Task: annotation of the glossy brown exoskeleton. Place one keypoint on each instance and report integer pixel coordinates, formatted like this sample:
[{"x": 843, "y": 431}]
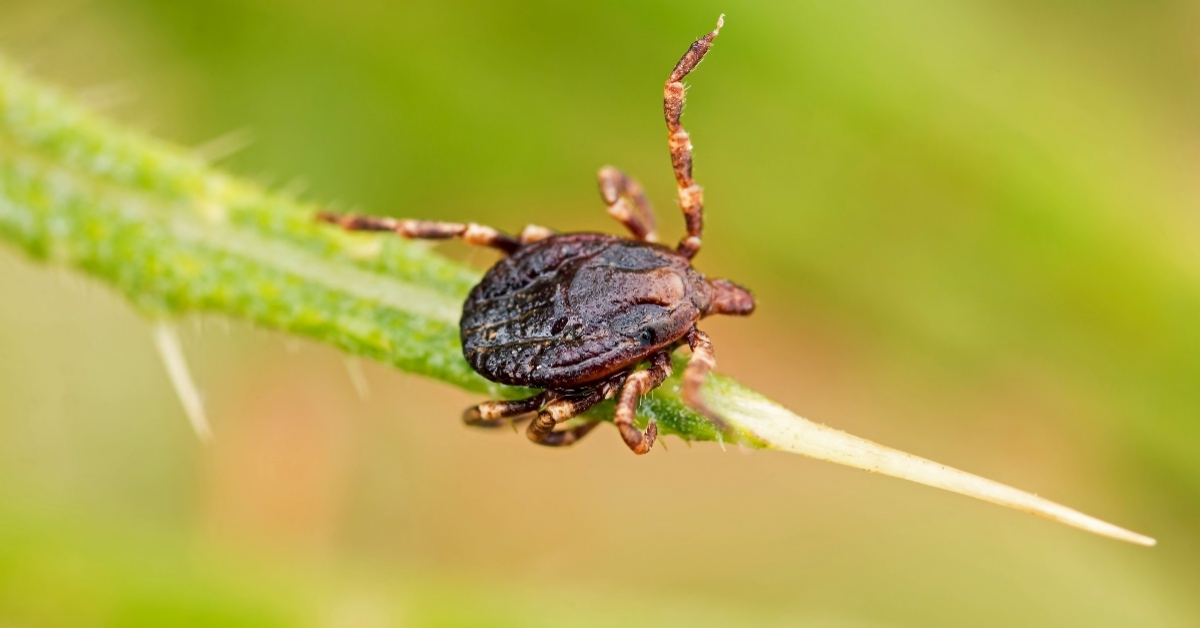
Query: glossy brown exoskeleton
[{"x": 576, "y": 314}]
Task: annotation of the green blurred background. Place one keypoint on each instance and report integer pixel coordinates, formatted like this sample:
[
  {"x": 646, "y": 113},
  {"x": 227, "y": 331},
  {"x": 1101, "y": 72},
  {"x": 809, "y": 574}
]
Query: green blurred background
[{"x": 972, "y": 229}]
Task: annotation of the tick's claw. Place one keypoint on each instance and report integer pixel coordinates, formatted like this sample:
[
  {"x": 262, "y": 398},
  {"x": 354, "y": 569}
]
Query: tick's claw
[
  {"x": 471, "y": 416},
  {"x": 646, "y": 441}
]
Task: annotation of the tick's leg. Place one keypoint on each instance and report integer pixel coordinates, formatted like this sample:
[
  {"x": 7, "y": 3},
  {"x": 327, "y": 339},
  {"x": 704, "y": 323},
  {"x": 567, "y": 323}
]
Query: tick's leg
[
  {"x": 703, "y": 360},
  {"x": 533, "y": 233},
  {"x": 627, "y": 203},
  {"x": 638, "y": 384},
  {"x": 541, "y": 430},
  {"x": 562, "y": 438},
  {"x": 691, "y": 196},
  {"x": 470, "y": 233},
  {"x": 493, "y": 413}
]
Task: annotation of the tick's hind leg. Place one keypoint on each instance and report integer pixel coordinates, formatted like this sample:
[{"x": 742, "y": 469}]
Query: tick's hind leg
[
  {"x": 691, "y": 196},
  {"x": 470, "y": 233},
  {"x": 638, "y": 384},
  {"x": 562, "y": 438},
  {"x": 627, "y": 203},
  {"x": 494, "y": 413},
  {"x": 541, "y": 430}
]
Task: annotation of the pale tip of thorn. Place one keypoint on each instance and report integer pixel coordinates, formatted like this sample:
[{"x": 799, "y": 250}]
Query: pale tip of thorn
[
  {"x": 224, "y": 145},
  {"x": 358, "y": 378},
  {"x": 1144, "y": 541},
  {"x": 171, "y": 351},
  {"x": 781, "y": 429},
  {"x": 720, "y": 23}
]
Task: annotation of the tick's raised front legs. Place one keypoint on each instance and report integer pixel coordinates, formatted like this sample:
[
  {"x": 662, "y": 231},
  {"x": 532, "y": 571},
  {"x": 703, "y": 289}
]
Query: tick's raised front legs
[
  {"x": 703, "y": 360},
  {"x": 691, "y": 196},
  {"x": 470, "y": 233},
  {"x": 627, "y": 203},
  {"x": 638, "y": 384}
]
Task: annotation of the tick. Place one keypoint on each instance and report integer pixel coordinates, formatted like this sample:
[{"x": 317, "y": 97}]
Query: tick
[{"x": 580, "y": 314}]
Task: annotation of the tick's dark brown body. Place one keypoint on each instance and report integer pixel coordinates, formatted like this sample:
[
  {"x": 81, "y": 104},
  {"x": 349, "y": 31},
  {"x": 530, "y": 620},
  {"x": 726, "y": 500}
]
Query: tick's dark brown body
[
  {"x": 573, "y": 309},
  {"x": 577, "y": 314}
]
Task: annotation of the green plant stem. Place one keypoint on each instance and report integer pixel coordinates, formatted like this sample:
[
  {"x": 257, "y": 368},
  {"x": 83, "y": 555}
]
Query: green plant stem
[{"x": 175, "y": 236}]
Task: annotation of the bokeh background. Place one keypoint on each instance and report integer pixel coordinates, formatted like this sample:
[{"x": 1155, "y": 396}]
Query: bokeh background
[{"x": 972, "y": 229}]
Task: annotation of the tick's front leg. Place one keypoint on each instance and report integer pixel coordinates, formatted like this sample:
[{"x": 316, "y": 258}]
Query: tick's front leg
[
  {"x": 691, "y": 196},
  {"x": 627, "y": 203}
]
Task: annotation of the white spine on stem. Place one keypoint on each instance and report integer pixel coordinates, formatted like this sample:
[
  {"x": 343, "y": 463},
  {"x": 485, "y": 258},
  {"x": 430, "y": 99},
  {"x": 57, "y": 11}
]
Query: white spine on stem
[
  {"x": 786, "y": 431},
  {"x": 166, "y": 338}
]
